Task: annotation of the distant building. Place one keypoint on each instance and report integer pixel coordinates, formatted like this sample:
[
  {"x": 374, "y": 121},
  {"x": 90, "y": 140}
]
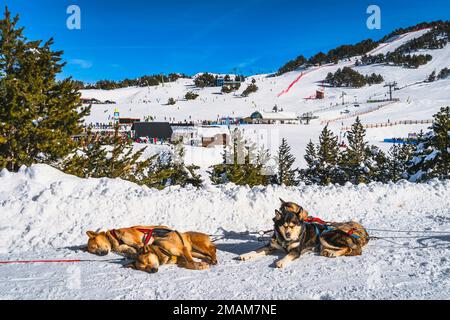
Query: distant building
[
  {"x": 320, "y": 94},
  {"x": 212, "y": 136},
  {"x": 220, "y": 82},
  {"x": 188, "y": 133},
  {"x": 128, "y": 120},
  {"x": 155, "y": 132},
  {"x": 274, "y": 117},
  {"x": 127, "y": 123}
]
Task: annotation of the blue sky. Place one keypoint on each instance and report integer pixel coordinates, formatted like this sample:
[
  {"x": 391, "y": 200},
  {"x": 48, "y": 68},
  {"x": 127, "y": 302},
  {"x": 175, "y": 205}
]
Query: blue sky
[{"x": 120, "y": 39}]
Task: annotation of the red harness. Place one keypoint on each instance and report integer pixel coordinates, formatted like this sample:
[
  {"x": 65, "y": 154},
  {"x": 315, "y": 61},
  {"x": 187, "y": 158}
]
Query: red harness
[
  {"x": 315, "y": 220},
  {"x": 148, "y": 233}
]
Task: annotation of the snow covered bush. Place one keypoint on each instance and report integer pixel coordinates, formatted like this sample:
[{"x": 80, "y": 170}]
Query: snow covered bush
[
  {"x": 242, "y": 164},
  {"x": 432, "y": 155},
  {"x": 250, "y": 89}
]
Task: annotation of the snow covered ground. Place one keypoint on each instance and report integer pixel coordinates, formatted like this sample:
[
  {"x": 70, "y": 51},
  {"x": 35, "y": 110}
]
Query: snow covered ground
[{"x": 44, "y": 214}]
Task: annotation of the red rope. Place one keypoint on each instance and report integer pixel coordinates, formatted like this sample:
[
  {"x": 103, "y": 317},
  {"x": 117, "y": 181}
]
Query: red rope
[
  {"x": 56, "y": 261},
  {"x": 41, "y": 261}
]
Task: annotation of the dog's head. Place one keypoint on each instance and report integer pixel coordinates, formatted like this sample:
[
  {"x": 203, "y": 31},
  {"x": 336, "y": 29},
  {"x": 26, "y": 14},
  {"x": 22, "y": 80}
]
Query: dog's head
[
  {"x": 292, "y": 207},
  {"x": 98, "y": 243},
  {"x": 146, "y": 260},
  {"x": 288, "y": 225}
]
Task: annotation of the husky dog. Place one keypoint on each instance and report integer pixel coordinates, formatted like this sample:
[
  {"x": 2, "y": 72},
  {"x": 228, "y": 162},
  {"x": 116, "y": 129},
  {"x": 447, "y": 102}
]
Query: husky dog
[{"x": 294, "y": 235}]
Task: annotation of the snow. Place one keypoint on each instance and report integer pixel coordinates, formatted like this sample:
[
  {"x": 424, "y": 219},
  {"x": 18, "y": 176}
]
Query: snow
[
  {"x": 432, "y": 155},
  {"x": 45, "y": 214},
  {"x": 397, "y": 41}
]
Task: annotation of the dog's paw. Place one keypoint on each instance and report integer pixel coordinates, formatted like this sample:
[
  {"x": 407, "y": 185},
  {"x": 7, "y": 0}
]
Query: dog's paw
[
  {"x": 328, "y": 253},
  {"x": 247, "y": 256},
  {"x": 202, "y": 265},
  {"x": 280, "y": 264}
]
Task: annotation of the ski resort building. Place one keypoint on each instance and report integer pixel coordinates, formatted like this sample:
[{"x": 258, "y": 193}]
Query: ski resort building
[
  {"x": 188, "y": 133},
  {"x": 200, "y": 136},
  {"x": 220, "y": 82},
  {"x": 153, "y": 132},
  {"x": 274, "y": 117}
]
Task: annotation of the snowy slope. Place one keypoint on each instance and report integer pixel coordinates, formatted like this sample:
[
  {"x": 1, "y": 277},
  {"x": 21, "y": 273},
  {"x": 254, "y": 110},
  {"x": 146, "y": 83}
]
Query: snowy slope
[
  {"x": 44, "y": 215},
  {"x": 418, "y": 101},
  {"x": 397, "y": 41}
]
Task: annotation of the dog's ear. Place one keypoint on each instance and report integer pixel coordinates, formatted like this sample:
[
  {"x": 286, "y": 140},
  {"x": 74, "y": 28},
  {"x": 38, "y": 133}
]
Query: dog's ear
[
  {"x": 130, "y": 266},
  {"x": 282, "y": 201},
  {"x": 303, "y": 214},
  {"x": 278, "y": 215},
  {"x": 91, "y": 234}
]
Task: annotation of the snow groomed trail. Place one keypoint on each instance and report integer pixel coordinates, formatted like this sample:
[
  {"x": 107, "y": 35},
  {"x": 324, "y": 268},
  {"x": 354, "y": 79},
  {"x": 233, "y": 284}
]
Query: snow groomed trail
[
  {"x": 304, "y": 73},
  {"x": 44, "y": 214}
]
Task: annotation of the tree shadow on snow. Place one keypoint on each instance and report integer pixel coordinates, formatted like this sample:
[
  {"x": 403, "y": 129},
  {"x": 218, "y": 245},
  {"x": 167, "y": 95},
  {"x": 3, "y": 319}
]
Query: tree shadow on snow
[
  {"x": 252, "y": 242},
  {"x": 81, "y": 248},
  {"x": 239, "y": 248},
  {"x": 441, "y": 242}
]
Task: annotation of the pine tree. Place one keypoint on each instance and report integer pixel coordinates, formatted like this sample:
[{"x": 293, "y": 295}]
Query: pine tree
[
  {"x": 432, "y": 77},
  {"x": 92, "y": 159},
  {"x": 89, "y": 160},
  {"x": 39, "y": 114},
  {"x": 432, "y": 156},
  {"x": 398, "y": 157},
  {"x": 354, "y": 158},
  {"x": 251, "y": 88},
  {"x": 243, "y": 164},
  {"x": 183, "y": 175},
  {"x": 309, "y": 175},
  {"x": 327, "y": 156},
  {"x": 376, "y": 162},
  {"x": 286, "y": 174},
  {"x": 122, "y": 160}
]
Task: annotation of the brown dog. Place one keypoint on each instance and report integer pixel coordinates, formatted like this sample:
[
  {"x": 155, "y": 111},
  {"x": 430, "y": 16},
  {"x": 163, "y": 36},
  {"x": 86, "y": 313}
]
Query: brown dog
[
  {"x": 177, "y": 248},
  {"x": 126, "y": 241}
]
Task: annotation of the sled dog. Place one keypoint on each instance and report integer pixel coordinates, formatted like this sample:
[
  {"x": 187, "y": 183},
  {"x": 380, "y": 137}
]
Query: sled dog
[
  {"x": 295, "y": 235},
  {"x": 129, "y": 241},
  {"x": 177, "y": 248}
]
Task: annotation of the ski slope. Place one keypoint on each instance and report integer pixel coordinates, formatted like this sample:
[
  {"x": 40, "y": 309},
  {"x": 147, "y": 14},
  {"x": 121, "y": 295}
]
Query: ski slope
[
  {"x": 397, "y": 41},
  {"x": 45, "y": 214},
  {"x": 418, "y": 101}
]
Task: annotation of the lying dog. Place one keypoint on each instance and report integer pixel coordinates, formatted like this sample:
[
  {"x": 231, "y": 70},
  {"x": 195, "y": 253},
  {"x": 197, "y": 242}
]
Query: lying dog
[
  {"x": 294, "y": 234},
  {"x": 177, "y": 248},
  {"x": 126, "y": 241}
]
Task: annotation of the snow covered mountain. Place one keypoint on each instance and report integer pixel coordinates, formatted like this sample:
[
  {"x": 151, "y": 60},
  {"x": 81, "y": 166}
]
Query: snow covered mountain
[{"x": 418, "y": 100}]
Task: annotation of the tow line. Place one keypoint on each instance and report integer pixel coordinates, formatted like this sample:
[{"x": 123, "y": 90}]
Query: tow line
[{"x": 56, "y": 261}]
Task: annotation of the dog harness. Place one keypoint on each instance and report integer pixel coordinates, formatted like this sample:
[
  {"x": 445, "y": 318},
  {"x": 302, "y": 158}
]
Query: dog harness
[
  {"x": 148, "y": 234},
  {"x": 328, "y": 227}
]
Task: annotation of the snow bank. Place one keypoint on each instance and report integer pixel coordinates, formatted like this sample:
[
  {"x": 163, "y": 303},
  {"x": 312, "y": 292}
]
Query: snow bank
[
  {"x": 42, "y": 208},
  {"x": 44, "y": 215}
]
